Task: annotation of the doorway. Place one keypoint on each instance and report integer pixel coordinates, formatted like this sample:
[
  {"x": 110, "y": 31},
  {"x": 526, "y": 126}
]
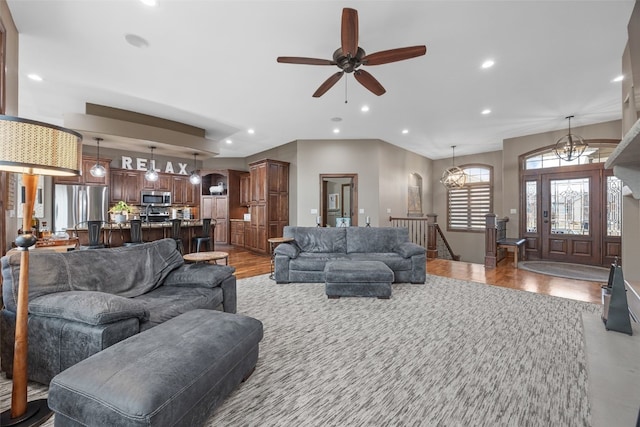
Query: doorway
[
  {"x": 571, "y": 213},
  {"x": 570, "y": 206},
  {"x": 338, "y": 200}
]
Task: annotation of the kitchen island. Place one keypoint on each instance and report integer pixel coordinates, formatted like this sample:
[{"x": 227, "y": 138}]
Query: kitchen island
[{"x": 116, "y": 234}]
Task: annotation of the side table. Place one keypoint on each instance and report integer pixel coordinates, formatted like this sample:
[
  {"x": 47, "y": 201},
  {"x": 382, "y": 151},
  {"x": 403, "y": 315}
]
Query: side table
[
  {"x": 273, "y": 242},
  {"x": 206, "y": 257}
]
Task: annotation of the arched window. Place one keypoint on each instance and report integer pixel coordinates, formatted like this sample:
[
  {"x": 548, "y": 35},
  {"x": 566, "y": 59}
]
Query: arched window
[
  {"x": 468, "y": 205},
  {"x": 595, "y": 153}
]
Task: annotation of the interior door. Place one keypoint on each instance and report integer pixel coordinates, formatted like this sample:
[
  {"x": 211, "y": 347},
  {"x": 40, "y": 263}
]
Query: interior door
[
  {"x": 571, "y": 217},
  {"x": 338, "y": 199}
]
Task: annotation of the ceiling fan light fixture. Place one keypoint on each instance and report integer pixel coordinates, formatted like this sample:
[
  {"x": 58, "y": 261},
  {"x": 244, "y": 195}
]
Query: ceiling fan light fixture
[
  {"x": 98, "y": 170},
  {"x": 453, "y": 177},
  {"x": 195, "y": 178},
  {"x": 349, "y": 57},
  {"x": 569, "y": 147},
  {"x": 151, "y": 174}
]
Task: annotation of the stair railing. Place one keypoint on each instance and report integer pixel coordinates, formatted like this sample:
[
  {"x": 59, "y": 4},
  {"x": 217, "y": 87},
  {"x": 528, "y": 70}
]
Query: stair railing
[{"x": 427, "y": 233}]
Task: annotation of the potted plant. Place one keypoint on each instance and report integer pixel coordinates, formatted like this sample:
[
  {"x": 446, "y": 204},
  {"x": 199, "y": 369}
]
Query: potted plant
[{"x": 120, "y": 211}]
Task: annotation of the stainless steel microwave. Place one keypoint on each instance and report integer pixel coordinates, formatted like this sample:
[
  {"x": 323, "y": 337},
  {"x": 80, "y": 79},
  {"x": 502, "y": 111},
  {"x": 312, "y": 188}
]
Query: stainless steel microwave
[{"x": 155, "y": 198}]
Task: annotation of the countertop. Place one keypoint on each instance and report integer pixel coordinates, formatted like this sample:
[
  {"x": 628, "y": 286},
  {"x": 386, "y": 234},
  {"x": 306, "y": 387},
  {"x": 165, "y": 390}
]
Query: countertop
[{"x": 165, "y": 224}]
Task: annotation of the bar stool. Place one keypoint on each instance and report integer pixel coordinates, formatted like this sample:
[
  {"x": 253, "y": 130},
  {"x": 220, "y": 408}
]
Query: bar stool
[
  {"x": 136, "y": 233},
  {"x": 94, "y": 229},
  {"x": 176, "y": 225},
  {"x": 205, "y": 236}
]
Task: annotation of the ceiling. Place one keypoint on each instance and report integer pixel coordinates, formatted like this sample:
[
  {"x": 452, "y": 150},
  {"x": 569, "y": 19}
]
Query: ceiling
[{"x": 212, "y": 64}]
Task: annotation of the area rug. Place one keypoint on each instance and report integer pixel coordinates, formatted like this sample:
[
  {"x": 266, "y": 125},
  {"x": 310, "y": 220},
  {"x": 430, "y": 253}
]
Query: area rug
[
  {"x": 589, "y": 273},
  {"x": 447, "y": 353}
]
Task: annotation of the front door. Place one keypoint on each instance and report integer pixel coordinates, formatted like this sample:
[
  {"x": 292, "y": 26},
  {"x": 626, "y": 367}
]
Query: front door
[{"x": 571, "y": 213}]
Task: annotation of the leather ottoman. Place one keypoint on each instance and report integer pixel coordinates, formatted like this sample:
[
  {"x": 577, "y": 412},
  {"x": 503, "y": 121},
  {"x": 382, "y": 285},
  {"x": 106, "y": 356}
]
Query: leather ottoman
[
  {"x": 174, "y": 374},
  {"x": 358, "y": 279}
]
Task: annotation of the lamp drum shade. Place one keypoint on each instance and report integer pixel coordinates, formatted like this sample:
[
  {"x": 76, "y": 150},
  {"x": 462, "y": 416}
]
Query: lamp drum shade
[{"x": 28, "y": 146}]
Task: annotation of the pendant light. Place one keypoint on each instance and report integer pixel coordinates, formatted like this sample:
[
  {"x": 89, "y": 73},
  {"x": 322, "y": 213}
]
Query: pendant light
[
  {"x": 151, "y": 174},
  {"x": 194, "y": 178},
  {"x": 98, "y": 170},
  {"x": 453, "y": 177},
  {"x": 570, "y": 146}
]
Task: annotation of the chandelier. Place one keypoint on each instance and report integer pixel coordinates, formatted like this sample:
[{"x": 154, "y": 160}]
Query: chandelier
[
  {"x": 151, "y": 174},
  {"x": 570, "y": 146},
  {"x": 453, "y": 177},
  {"x": 195, "y": 178},
  {"x": 98, "y": 170}
]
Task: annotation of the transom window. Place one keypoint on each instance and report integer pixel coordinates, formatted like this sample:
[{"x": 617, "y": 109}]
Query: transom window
[
  {"x": 548, "y": 159},
  {"x": 467, "y": 206}
]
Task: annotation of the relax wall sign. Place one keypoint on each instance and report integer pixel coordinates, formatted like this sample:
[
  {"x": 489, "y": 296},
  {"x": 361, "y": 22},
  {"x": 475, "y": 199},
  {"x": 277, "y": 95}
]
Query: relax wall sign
[{"x": 146, "y": 164}]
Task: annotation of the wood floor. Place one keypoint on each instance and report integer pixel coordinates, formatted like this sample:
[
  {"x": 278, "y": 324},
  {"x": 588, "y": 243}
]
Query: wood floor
[{"x": 250, "y": 264}]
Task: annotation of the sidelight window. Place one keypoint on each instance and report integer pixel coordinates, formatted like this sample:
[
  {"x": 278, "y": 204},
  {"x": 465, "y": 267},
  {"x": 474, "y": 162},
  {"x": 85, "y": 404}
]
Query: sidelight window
[{"x": 614, "y": 206}]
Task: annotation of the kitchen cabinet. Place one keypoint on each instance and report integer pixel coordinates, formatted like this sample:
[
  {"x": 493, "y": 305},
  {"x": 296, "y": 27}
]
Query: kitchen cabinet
[
  {"x": 237, "y": 232},
  {"x": 225, "y": 206},
  {"x": 164, "y": 183},
  {"x": 86, "y": 177},
  {"x": 215, "y": 207},
  {"x": 245, "y": 189},
  {"x": 125, "y": 185},
  {"x": 269, "y": 206},
  {"x": 182, "y": 190}
]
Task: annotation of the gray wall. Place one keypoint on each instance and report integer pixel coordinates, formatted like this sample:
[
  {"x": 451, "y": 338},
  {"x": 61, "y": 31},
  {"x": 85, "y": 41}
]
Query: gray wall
[{"x": 469, "y": 245}]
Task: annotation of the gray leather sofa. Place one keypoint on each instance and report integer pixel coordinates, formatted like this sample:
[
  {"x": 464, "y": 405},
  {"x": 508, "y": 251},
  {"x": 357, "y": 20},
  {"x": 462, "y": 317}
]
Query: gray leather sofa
[
  {"x": 82, "y": 302},
  {"x": 304, "y": 259}
]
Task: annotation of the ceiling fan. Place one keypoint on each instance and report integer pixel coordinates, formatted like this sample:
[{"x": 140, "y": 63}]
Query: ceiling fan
[{"x": 349, "y": 57}]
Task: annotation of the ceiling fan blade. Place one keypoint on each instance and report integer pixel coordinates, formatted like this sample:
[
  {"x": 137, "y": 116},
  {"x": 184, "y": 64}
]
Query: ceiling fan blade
[
  {"x": 368, "y": 81},
  {"x": 328, "y": 84},
  {"x": 349, "y": 35},
  {"x": 305, "y": 61},
  {"x": 393, "y": 55}
]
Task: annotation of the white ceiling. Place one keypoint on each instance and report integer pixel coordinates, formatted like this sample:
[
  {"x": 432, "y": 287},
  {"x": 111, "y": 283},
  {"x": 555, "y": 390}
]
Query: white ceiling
[{"x": 212, "y": 64}]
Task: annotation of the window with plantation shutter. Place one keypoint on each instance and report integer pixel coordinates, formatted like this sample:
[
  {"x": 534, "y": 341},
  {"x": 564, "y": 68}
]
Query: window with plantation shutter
[{"x": 468, "y": 205}]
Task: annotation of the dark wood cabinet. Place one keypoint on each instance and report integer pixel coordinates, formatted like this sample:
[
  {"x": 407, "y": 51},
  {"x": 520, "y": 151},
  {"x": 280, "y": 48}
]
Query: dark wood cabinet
[
  {"x": 245, "y": 189},
  {"x": 125, "y": 185},
  {"x": 269, "y": 207},
  {"x": 237, "y": 233},
  {"x": 225, "y": 206},
  {"x": 215, "y": 207},
  {"x": 180, "y": 190},
  {"x": 164, "y": 183}
]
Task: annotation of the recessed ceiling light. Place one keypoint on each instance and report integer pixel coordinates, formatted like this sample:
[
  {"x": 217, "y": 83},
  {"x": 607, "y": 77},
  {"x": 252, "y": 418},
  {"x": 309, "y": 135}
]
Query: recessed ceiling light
[
  {"x": 618, "y": 79},
  {"x": 364, "y": 108},
  {"x": 488, "y": 63},
  {"x": 251, "y": 131},
  {"x": 228, "y": 141},
  {"x": 486, "y": 111},
  {"x": 336, "y": 130},
  {"x": 136, "y": 41},
  {"x": 35, "y": 77},
  {"x": 149, "y": 2},
  {"x": 405, "y": 131}
]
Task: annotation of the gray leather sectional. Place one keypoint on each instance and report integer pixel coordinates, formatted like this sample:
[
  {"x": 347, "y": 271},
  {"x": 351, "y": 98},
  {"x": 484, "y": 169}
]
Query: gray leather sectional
[
  {"x": 304, "y": 259},
  {"x": 82, "y": 302}
]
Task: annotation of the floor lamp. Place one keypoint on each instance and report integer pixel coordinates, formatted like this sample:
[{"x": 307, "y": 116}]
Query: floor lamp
[{"x": 31, "y": 148}]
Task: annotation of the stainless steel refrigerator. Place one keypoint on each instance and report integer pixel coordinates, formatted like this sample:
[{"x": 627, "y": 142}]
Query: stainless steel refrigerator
[{"x": 74, "y": 204}]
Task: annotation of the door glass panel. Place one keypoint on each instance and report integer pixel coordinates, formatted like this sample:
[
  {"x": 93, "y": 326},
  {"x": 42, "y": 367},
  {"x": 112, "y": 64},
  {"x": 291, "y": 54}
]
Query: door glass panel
[
  {"x": 532, "y": 206},
  {"x": 570, "y": 206},
  {"x": 614, "y": 206}
]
